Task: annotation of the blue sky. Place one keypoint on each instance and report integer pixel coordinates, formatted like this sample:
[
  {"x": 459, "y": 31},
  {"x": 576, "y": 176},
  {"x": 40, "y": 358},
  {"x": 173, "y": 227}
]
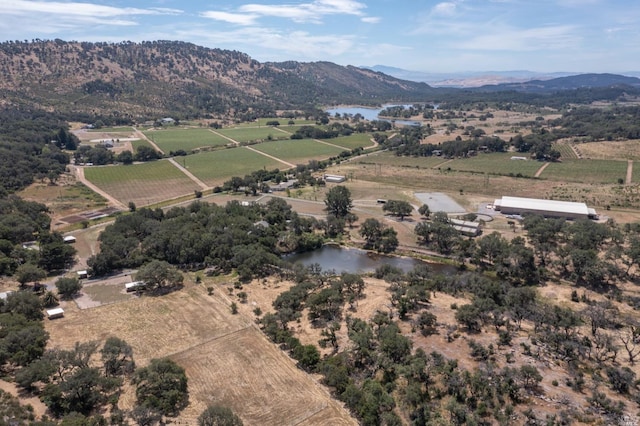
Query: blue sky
[{"x": 420, "y": 35}]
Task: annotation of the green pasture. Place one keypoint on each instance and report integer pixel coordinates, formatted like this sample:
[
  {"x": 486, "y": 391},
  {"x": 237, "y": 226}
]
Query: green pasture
[
  {"x": 186, "y": 139},
  {"x": 635, "y": 175},
  {"x": 586, "y": 171},
  {"x": 139, "y": 143},
  {"x": 217, "y": 166},
  {"x": 356, "y": 140},
  {"x": 298, "y": 151},
  {"x": 499, "y": 163},
  {"x": 143, "y": 184},
  {"x": 566, "y": 153},
  {"x": 390, "y": 159},
  {"x": 250, "y": 134}
]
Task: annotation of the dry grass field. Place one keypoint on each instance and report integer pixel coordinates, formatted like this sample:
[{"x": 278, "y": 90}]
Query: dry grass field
[
  {"x": 227, "y": 359},
  {"x": 611, "y": 150}
]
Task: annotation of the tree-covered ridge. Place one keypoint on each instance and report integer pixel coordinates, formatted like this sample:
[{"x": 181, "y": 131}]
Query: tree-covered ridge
[
  {"x": 30, "y": 147},
  {"x": 163, "y": 77},
  {"x": 246, "y": 238}
]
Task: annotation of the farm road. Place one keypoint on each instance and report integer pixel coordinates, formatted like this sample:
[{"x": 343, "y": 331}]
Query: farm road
[
  {"x": 271, "y": 156},
  {"x": 225, "y": 137},
  {"x": 79, "y": 173},
  {"x": 541, "y": 169},
  {"x": 189, "y": 174},
  {"x": 144, "y": 137}
]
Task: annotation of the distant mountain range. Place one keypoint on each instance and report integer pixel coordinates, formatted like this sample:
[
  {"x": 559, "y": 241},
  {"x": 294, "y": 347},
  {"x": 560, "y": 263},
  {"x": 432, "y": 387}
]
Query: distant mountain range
[{"x": 502, "y": 79}]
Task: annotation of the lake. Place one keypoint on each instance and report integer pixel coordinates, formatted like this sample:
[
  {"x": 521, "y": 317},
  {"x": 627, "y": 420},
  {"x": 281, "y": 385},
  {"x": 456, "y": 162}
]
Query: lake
[
  {"x": 356, "y": 261},
  {"x": 370, "y": 114}
]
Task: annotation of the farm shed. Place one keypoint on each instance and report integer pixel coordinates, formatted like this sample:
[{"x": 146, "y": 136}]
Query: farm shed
[
  {"x": 546, "y": 208},
  {"x": 334, "y": 178},
  {"x": 134, "y": 286},
  {"x": 69, "y": 239},
  {"x": 55, "y": 313}
]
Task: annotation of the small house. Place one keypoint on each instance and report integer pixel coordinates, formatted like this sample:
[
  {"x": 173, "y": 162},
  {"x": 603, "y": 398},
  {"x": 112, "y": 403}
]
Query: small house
[
  {"x": 55, "y": 313},
  {"x": 69, "y": 239}
]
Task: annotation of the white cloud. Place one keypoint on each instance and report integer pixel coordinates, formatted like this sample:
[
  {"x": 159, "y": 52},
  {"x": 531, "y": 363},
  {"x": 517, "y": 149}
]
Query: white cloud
[
  {"x": 371, "y": 19},
  {"x": 444, "y": 9},
  {"x": 23, "y": 7},
  {"x": 233, "y": 18},
  {"x": 273, "y": 44},
  {"x": 302, "y": 12}
]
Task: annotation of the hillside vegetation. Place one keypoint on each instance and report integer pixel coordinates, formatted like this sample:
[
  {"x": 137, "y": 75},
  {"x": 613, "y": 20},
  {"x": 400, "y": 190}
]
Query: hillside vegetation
[{"x": 154, "y": 78}]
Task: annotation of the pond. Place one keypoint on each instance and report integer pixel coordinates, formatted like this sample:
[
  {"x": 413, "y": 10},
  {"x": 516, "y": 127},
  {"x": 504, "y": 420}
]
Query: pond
[
  {"x": 355, "y": 261},
  {"x": 369, "y": 114}
]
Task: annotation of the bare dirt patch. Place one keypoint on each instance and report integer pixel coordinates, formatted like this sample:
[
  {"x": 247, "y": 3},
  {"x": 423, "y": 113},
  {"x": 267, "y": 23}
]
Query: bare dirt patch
[{"x": 226, "y": 358}]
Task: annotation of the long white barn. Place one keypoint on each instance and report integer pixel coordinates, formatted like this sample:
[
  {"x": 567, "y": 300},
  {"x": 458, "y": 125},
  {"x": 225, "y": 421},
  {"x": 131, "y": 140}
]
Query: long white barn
[{"x": 546, "y": 208}]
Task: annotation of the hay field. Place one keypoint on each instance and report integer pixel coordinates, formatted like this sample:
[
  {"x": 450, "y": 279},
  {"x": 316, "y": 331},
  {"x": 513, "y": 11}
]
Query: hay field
[
  {"x": 611, "y": 150},
  {"x": 298, "y": 151},
  {"x": 186, "y": 139},
  {"x": 226, "y": 358},
  {"x": 217, "y": 166},
  {"x": 144, "y": 184}
]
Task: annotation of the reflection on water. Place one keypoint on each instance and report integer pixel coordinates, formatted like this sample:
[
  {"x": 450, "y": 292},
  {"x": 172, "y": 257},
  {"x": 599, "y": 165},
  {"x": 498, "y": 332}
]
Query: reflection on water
[{"x": 359, "y": 261}]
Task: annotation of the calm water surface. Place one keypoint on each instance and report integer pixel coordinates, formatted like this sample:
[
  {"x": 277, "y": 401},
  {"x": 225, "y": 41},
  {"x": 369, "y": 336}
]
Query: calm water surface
[
  {"x": 360, "y": 261},
  {"x": 369, "y": 114}
]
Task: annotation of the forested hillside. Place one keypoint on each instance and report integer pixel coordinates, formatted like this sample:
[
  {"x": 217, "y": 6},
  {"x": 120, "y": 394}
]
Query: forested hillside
[{"x": 161, "y": 77}]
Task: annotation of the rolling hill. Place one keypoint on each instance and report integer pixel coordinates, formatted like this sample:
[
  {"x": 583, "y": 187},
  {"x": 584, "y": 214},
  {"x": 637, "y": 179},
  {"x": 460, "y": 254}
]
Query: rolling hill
[{"x": 162, "y": 77}]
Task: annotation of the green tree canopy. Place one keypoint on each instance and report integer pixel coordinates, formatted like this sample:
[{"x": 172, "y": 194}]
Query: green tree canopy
[
  {"x": 162, "y": 385},
  {"x": 218, "y": 415},
  {"x": 338, "y": 201},
  {"x": 159, "y": 274}
]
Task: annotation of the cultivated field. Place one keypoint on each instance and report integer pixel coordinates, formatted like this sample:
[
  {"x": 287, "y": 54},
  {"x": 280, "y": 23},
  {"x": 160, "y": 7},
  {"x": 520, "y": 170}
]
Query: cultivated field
[
  {"x": 250, "y": 134},
  {"x": 216, "y": 167},
  {"x": 356, "y": 140},
  {"x": 144, "y": 184},
  {"x": 185, "y": 139},
  {"x": 298, "y": 151},
  {"x": 496, "y": 163},
  {"x": 390, "y": 159},
  {"x": 227, "y": 359},
  {"x": 565, "y": 150},
  {"x": 592, "y": 171}
]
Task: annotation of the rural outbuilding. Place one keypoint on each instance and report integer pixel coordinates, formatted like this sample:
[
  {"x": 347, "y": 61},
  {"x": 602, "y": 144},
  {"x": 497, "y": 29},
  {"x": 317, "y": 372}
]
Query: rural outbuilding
[
  {"x": 55, "y": 313},
  {"x": 135, "y": 286},
  {"x": 334, "y": 178},
  {"x": 546, "y": 208},
  {"x": 82, "y": 274}
]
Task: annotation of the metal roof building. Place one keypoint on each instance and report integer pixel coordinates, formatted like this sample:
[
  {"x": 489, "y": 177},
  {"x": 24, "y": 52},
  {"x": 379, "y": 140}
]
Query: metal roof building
[{"x": 546, "y": 208}]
